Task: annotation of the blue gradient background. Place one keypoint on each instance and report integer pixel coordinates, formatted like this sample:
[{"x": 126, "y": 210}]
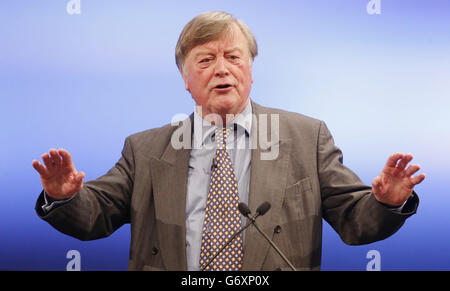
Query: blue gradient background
[{"x": 85, "y": 82}]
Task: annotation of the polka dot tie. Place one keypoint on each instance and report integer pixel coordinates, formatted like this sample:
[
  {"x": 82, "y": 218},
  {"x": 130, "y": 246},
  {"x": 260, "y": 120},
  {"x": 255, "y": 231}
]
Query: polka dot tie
[{"x": 222, "y": 217}]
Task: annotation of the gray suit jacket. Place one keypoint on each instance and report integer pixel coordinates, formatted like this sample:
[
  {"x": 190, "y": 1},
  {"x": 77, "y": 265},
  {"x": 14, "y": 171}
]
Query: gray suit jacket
[{"x": 305, "y": 183}]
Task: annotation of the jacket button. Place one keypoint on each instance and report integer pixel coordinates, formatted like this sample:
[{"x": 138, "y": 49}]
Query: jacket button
[
  {"x": 155, "y": 250},
  {"x": 277, "y": 229}
]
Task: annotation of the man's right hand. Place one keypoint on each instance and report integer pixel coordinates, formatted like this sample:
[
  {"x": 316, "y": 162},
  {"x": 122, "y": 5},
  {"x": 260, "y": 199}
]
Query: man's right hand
[{"x": 59, "y": 177}]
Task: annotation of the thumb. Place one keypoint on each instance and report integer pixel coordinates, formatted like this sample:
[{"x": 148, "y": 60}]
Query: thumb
[
  {"x": 78, "y": 181},
  {"x": 76, "y": 184},
  {"x": 80, "y": 176},
  {"x": 377, "y": 186}
]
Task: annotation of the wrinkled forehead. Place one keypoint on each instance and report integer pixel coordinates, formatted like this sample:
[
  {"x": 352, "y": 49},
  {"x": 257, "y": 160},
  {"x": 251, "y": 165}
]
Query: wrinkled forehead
[{"x": 231, "y": 39}]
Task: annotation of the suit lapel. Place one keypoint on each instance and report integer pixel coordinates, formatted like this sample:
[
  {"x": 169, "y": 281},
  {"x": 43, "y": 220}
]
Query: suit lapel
[
  {"x": 267, "y": 183},
  {"x": 169, "y": 175}
]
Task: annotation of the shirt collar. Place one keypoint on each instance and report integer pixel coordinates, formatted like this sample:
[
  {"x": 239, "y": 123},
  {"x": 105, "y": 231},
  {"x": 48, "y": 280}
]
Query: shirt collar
[{"x": 243, "y": 120}]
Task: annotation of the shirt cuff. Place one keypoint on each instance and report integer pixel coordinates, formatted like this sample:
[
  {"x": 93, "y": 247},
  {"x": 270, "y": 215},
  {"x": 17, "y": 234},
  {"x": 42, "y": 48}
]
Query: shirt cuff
[
  {"x": 397, "y": 209},
  {"x": 51, "y": 203}
]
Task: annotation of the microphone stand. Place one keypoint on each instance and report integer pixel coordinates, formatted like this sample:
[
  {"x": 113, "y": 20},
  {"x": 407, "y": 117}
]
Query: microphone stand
[
  {"x": 252, "y": 221},
  {"x": 243, "y": 208}
]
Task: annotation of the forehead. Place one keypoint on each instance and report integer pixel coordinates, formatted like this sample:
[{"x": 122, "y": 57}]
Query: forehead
[{"x": 231, "y": 40}]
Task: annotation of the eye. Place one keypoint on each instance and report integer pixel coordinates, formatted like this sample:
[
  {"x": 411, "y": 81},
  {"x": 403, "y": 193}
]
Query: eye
[{"x": 205, "y": 60}]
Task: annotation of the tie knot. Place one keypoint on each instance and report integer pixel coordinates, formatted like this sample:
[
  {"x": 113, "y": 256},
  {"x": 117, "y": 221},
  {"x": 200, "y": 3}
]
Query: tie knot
[{"x": 221, "y": 137}]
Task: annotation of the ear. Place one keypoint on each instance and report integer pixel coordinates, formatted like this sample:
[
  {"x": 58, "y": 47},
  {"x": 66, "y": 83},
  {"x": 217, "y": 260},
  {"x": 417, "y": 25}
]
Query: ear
[
  {"x": 251, "y": 71},
  {"x": 185, "y": 78}
]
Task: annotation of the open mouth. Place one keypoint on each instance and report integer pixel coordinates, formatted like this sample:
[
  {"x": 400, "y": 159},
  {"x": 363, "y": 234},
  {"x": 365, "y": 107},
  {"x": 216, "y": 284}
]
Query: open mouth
[{"x": 223, "y": 86}]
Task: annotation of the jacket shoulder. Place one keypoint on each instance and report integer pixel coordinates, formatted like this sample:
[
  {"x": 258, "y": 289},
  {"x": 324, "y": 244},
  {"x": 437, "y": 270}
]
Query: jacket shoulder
[
  {"x": 151, "y": 141},
  {"x": 291, "y": 122}
]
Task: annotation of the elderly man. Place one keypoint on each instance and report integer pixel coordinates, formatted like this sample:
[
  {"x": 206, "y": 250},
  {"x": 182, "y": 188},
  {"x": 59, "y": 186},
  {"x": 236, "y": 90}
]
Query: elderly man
[{"x": 182, "y": 202}]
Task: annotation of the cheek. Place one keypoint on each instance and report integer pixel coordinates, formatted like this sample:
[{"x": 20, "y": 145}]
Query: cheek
[
  {"x": 245, "y": 76},
  {"x": 198, "y": 82},
  {"x": 200, "y": 79}
]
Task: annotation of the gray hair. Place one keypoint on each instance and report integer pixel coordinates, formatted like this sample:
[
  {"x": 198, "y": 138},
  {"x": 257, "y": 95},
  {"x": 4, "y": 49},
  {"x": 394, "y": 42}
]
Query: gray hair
[{"x": 207, "y": 27}]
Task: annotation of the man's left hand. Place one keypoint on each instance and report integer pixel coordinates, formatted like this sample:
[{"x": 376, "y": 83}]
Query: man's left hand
[{"x": 395, "y": 183}]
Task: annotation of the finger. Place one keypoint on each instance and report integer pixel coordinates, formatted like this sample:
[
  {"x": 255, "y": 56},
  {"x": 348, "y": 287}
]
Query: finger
[
  {"x": 39, "y": 168},
  {"x": 66, "y": 157},
  {"x": 411, "y": 170},
  {"x": 55, "y": 157},
  {"x": 418, "y": 179},
  {"x": 393, "y": 159},
  {"x": 404, "y": 161},
  {"x": 47, "y": 161}
]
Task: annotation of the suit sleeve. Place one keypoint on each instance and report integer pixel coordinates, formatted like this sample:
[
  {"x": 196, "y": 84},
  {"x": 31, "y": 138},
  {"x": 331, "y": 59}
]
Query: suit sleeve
[
  {"x": 101, "y": 207},
  {"x": 348, "y": 205}
]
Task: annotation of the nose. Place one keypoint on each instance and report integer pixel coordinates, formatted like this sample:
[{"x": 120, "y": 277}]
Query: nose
[{"x": 221, "y": 69}]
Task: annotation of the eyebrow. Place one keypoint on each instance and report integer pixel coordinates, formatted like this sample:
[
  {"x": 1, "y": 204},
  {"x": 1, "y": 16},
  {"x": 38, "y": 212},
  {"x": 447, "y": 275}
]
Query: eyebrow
[
  {"x": 209, "y": 52},
  {"x": 204, "y": 52},
  {"x": 233, "y": 49}
]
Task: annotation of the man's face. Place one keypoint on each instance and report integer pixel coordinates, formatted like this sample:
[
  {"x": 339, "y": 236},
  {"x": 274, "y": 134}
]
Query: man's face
[{"x": 218, "y": 74}]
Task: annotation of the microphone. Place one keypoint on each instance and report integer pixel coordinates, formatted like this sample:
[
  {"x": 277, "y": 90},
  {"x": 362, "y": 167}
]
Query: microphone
[
  {"x": 244, "y": 210},
  {"x": 261, "y": 210}
]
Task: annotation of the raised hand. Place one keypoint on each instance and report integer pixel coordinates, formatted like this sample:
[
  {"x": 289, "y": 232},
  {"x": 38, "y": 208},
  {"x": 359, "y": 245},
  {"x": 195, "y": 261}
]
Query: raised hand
[
  {"x": 395, "y": 183},
  {"x": 59, "y": 177}
]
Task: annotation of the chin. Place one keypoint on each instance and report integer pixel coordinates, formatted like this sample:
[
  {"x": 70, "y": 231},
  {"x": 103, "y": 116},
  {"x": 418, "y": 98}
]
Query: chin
[{"x": 226, "y": 105}]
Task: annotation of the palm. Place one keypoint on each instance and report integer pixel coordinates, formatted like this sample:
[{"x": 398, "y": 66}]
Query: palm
[
  {"x": 395, "y": 183},
  {"x": 59, "y": 178},
  {"x": 61, "y": 182}
]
